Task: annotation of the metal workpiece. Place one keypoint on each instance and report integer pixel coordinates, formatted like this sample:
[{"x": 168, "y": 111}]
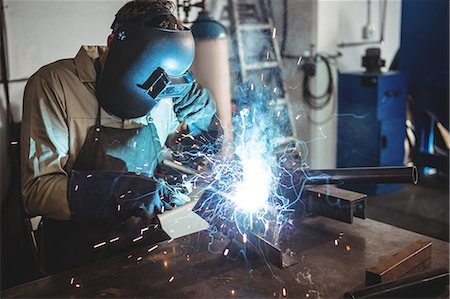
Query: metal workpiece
[
  {"x": 400, "y": 263},
  {"x": 332, "y": 258},
  {"x": 333, "y": 202}
]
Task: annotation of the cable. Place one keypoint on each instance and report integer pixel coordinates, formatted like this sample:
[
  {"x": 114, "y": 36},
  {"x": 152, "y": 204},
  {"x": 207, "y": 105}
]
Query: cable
[{"x": 314, "y": 101}]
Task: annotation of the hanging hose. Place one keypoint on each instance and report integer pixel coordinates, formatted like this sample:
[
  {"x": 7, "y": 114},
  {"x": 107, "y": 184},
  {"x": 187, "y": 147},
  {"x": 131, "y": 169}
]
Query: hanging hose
[{"x": 314, "y": 101}]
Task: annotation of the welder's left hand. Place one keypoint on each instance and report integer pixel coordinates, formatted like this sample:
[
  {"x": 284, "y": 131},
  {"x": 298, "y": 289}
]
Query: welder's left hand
[
  {"x": 162, "y": 200},
  {"x": 196, "y": 108},
  {"x": 179, "y": 199}
]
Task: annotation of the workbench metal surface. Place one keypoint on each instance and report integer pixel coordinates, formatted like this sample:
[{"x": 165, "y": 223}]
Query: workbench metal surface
[{"x": 176, "y": 269}]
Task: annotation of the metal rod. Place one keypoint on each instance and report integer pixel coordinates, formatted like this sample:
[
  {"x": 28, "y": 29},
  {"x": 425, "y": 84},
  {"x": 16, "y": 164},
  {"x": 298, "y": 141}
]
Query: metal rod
[{"x": 364, "y": 175}]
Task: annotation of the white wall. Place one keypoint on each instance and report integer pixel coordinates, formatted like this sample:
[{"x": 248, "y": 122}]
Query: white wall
[{"x": 39, "y": 32}]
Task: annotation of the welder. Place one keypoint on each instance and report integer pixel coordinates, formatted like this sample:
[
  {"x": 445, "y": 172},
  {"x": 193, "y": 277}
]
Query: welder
[{"x": 93, "y": 131}]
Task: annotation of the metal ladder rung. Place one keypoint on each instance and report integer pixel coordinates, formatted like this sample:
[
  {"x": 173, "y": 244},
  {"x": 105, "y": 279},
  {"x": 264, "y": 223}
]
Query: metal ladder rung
[
  {"x": 261, "y": 65},
  {"x": 278, "y": 102},
  {"x": 250, "y": 27}
]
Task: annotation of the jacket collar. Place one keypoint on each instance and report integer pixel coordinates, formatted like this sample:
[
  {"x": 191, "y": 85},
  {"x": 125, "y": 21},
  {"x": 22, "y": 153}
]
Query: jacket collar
[{"x": 84, "y": 62}]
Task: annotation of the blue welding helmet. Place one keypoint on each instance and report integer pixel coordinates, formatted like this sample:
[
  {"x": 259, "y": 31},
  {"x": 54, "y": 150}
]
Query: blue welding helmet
[{"x": 144, "y": 65}]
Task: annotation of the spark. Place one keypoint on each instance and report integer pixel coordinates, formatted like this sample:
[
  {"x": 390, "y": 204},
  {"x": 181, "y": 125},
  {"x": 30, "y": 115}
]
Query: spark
[
  {"x": 138, "y": 238},
  {"x": 226, "y": 251},
  {"x": 99, "y": 244},
  {"x": 347, "y": 247},
  {"x": 143, "y": 230},
  {"x": 284, "y": 291},
  {"x": 166, "y": 264},
  {"x": 89, "y": 176},
  {"x": 274, "y": 32},
  {"x": 299, "y": 60},
  {"x": 177, "y": 162},
  {"x": 152, "y": 248},
  {"x": 76, "y": 188},
  {"x": 170, "y": 241},
  {"x": 336, "y": 242},
  {"x": 188, "y": 136},
  {"x": 130, "y": 256},
  {"x": 297, "y": 117},
  {"x": 72, "y": 280},
  {"x": 14, "y": 142},
  {"x": 165, "y": 252},
  {"x": 171, "y": 279},
  {"x": 232, "y": 292},
  {"x": 122, "y": 196},
  {"x": 114, "y": 240},
  {"x": 244, "y": 238},
  {"x": 78, "y": 285},
  {"x": 139, "y": 259},
  {"x": 118, "y": 208}
]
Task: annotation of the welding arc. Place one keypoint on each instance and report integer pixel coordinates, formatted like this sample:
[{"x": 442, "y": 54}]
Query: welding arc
[{"x": 363, "y": 175}]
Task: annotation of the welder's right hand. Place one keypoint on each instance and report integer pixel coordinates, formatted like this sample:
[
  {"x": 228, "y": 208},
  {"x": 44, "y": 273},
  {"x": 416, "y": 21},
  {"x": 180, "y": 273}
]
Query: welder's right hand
[
  {"x": 164, "y": 199},
  {"x": 107, "y": 196},
  {"x": 155, "y": 204}
]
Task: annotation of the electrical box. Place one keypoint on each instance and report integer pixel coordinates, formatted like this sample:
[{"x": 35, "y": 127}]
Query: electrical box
[{"x": 371, "y": 123}]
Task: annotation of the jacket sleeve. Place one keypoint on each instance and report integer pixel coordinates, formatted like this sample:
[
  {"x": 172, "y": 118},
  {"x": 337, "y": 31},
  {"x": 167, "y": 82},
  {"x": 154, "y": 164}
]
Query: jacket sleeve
[{"x": 44, "y": 150}]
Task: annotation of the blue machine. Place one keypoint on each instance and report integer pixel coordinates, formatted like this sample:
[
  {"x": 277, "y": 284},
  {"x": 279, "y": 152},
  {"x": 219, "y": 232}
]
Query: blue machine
[{"x": 371, "y": 124}]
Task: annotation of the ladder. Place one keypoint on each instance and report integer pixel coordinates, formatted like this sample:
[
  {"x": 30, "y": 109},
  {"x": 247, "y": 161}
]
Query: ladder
[{"x": 257, "y": 63}]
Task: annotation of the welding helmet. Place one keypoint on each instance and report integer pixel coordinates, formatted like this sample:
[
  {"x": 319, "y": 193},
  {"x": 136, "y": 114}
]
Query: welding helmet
[{"x": 144, "y": 65}]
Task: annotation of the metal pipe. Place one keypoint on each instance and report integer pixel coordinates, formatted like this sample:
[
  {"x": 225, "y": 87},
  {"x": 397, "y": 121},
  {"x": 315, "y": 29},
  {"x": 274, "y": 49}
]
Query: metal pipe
[{"x": 363, "y": 175}]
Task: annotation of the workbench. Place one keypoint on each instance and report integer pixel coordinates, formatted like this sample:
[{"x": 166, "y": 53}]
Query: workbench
[{"x": 184, "y": 267}]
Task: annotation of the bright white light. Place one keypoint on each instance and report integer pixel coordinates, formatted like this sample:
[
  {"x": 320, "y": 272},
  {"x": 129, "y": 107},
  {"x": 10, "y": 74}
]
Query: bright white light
[{"x": 253, "y": 191}]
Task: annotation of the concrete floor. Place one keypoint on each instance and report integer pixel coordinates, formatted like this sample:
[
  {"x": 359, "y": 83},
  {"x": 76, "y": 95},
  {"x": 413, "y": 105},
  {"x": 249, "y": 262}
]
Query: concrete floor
[{"x": 423, "y": 208}]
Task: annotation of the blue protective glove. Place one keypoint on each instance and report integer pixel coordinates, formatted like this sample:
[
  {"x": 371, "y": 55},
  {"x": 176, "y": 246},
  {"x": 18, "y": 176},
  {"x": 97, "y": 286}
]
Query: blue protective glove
[
  {"x": 196, "y": 108},
  {"x": 164, "y": 198},
  {"x": 109, "y": 196}
]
